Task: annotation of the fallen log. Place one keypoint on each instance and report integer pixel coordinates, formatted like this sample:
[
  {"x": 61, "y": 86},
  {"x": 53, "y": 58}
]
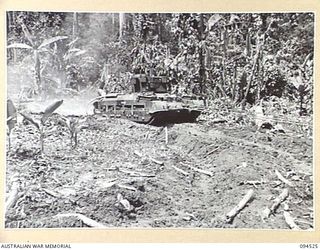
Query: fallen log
[
  {"x": 202, "y": 171},
  {"x": 89, "y": 222},
  {"x": 284, "y": 180},
  {"x": 253, "y": 183},
  {"x": 127, "y": 187},
  {"x": 52, "y": 193},
  {"x": 211, "y": 152},
  {"x": 240, "y": 206},
  {"x": 277, "y": 202},
  {"x": 279, "y": 199},
  {"x": 57, "y": 195},
  {"x": 166, "y": 135},
  {"x": 161, "y": 163},
  {"x": 290, "y": 221},
  {"x": 138, "y": 174},
  {"x": 305, "y": 222},
  {"x": 189, "y": 217},
  {"x": 13, "y": 195},
  {"x": 136, "y": 152},
  {"x": 218, "y": 120},
  {"x": 180, "y": 170},
  {"x": 109, "y": 184}
]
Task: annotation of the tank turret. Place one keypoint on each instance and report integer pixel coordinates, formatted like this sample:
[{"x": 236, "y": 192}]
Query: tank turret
[{"x": 150, "y": 102}]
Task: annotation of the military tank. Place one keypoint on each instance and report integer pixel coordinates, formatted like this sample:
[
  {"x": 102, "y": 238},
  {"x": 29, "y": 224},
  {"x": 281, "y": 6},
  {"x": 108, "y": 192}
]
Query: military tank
[{"x": 150, "y": 102}]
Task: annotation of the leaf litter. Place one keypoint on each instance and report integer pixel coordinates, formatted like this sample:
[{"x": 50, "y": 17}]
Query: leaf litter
[{"x": 123, "y": 174}]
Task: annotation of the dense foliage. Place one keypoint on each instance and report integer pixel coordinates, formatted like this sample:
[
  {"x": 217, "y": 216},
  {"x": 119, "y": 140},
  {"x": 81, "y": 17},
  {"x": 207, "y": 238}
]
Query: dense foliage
[{"x": 242, "y": 57}]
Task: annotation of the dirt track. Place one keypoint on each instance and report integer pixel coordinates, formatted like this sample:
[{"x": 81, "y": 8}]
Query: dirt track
[{"x": 120, "y": 157}]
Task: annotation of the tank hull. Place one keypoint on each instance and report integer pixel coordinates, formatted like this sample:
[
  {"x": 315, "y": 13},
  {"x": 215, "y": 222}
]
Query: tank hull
[
  {"x": 156, "y": 110},
  {"x": 174, "y": 116}
]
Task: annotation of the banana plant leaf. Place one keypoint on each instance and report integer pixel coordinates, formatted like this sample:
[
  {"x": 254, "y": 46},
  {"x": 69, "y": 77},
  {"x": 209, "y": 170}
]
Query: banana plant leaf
[
  {"x": 11, "y": 115},
  {"x": 49, "y": 110},
  {"x": 19, "y": 46},
  {"x": 30, "y": 119},
  {"x": 51, "y": 40}
]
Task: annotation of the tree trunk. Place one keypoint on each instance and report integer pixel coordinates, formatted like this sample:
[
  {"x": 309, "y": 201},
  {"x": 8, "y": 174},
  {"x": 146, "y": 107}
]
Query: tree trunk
[
  {"x": 159, "y": 27},
  {"x": 75, "y": 26},
  {"x": 202, "y": 70},
  {"x": 26, "y": 32},
  {"x": 41, "y": 141},
  {"x": 9, "y": 21},
  {"x": 122, "y": 21},
  {"x": 10, "y": 24},
  {"x": 301, "y": 104},
  {"x": 261, "y": 84},
  {"x": 14, "y": 53},
  {"x": 234, "y": 82},
  {"x": 225, "y": 36},
  {"x": 253, "y": 70},
  {"x": 14, "y": 18},
  {"x": 248, "y": 44},
  {"x": 113, "y": 22},
  {"x": 37, "y": 74}
]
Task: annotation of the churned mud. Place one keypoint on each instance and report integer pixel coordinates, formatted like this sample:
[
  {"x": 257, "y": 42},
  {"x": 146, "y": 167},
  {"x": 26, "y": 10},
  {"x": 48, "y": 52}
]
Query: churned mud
[{"x": 123, "y": 174}]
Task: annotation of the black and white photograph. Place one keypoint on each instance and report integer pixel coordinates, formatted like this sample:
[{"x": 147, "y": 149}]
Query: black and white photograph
[{"x": 159, "y": 120}]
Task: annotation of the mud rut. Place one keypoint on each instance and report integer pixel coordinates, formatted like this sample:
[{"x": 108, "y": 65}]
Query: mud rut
[{"x": 160, "y": 181}]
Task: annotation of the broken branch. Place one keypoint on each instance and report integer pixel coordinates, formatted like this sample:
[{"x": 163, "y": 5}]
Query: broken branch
[
  {"x": 211, "y": 152},
  {"x": 290, "y": 221},
  {"x": 127, "y": 187},
  {"x": 239, "y": 207},
  {"x": 136, "y": 152},
  {"x": 133, "y": 173},
  {"x": 89, "y": 222},
  {"x": 156, "y": 161},
  {"x": 284, "y": 180},
  {"x": 166, "y": 134},
  {"x": 13, "y": 196},
  {"x": 109, "y": 184},
  {"x": 180, "y": 170},
  {"x": 254, "y": 183},
  {"x": 52, "y": 193},
  {"x": 277, "y": 202},
  {"x": 202, "y": 171},
  {"x": 305, "y": 222}
]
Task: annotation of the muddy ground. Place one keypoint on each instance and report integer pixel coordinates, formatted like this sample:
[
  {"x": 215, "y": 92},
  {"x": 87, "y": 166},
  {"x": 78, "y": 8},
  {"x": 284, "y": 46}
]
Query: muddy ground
[{"x": 160, "y": 183}]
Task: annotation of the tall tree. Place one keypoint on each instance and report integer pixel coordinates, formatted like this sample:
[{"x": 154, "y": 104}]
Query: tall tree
[
  {"x": 75, "y": 25},
  {"x": 122, "y": 22}
]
